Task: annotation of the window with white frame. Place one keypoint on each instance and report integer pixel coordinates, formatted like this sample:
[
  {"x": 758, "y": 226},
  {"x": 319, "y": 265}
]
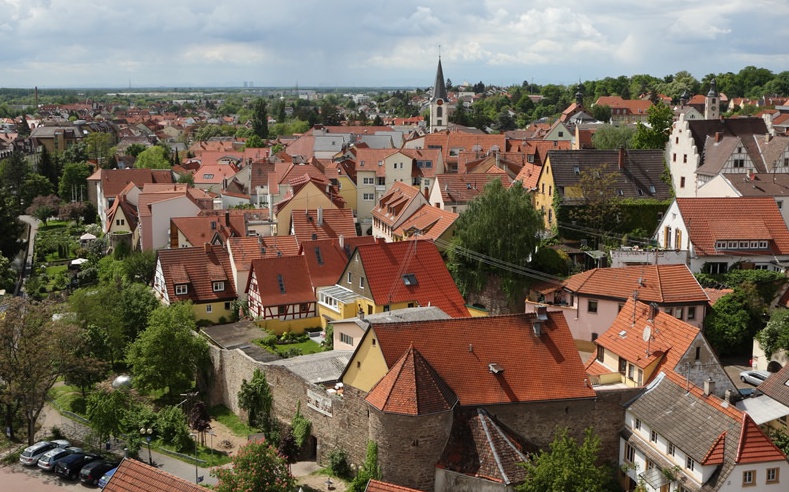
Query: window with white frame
[
  {"x": 630, "y": 453},
  {"x": 638, "y": 424},
  {"x": 368, "y": 181},
  {"x": 181, "y": 289},
  {"x": 218, "y": 286},
  {"x": 368, "y": 197},
  {"x": 209, "y": 309},
  {"x": 350, "y": 277},
  {"x": 772, "y": 475},
  {"x": 346, "y": 339},
  {"x": 690, "y": 463},
  {"x": 749, "y": 477},
  {"x": 672, "y": 450},
  {"x": 361, "y": 282}
]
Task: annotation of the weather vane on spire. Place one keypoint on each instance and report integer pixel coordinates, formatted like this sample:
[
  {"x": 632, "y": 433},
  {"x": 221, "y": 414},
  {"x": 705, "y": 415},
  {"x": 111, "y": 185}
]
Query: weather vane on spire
[{"x": 439, "y": 51}]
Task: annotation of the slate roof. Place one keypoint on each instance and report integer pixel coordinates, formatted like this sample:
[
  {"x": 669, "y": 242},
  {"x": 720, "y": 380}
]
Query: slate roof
[
  {"x": 198, "y": 267},
  {"x": 294, "y": 287},
  {"x": 637, "y": 170},
  {"x": 318, "y": 368},
  {"x": 386, "y": 263},
  {"x": 411, "y": 387},
  {"x": 663, "y": 284},
  {"x": 703, "y": 427},
  {"x": 747, "y": 218},
  {"x": 759, "y": 184},
  {"x": 461, "y": 350},
  {"x": 459, "y": 189},
  {"x": 482, "y": 447},
  {"x": 136, "y": 476},
  {"x": 700, "y": 130},
  {"x": 336, "y": 223},
  {"x": 776, "y": 386},
  {"x": 670, "y": 337}
]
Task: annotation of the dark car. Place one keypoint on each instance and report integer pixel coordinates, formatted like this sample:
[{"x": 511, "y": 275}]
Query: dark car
[
  {"x": 92, "y": 472},
  {"x": 70, "y": 466}
]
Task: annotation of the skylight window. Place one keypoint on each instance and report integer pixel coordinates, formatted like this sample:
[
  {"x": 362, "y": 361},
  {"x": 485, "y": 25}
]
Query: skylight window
[
  {"x": 281, "y": 283},
  {"x": 409, "y": 279}
]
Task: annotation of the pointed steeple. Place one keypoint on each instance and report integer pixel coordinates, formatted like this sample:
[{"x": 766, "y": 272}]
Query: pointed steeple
[
  {"x": 713, "y": 90},
  {"x": 579, "y": 96},
  {"x": 439, "y": 88}
]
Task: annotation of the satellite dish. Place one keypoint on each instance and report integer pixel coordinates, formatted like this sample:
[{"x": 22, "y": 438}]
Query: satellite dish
[{"x": 647, "y": 333}]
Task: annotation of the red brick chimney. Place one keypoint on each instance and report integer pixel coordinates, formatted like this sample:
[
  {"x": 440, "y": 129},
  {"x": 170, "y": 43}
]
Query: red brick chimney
[{"x": 718, "y": 136}]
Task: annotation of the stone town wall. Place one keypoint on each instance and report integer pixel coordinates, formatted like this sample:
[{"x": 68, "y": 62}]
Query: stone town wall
[
  {"x": 410, "y": 446},
  {"x": 346, "y": 428},
  {"x": 537, "y": 422}
]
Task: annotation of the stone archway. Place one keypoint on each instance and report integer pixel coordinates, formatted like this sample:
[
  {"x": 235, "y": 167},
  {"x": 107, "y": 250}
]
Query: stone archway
[{"x": 774, "y": 366}]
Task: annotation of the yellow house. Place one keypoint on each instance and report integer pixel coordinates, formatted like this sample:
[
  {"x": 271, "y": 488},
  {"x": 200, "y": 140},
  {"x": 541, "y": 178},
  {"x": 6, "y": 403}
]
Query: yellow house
[
  {"x": 543, "y": 195},
  {"x": 201, "y": 275},
  {"x": 307, "y": 193}
]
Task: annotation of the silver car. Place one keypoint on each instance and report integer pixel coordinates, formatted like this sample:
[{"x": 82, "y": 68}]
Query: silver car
[
  {"x": 31, "y": 454},
  {"x": 48, "y": 459},
  {"x": 754, "y": 377}
]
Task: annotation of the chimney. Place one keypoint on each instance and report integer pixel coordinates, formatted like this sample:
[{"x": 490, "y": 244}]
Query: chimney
[
  {"x": 320, "y": 216},
  {"x": 621, "y": 157},
  {"x": 727, "y": 396},
  {"x": 709, "y": 387},
  {"x": 767, "y": 137},
  {"x": 341, "y": 240},
  {"x": 718, "y": 136},
  {"x": 542, "y": 312},
  {"x": 207, "y": 247},
  {"x": 227, "y": 218}
]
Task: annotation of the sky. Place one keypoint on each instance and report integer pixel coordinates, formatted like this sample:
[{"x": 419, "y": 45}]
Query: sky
[{"x": 341, "y": 43}]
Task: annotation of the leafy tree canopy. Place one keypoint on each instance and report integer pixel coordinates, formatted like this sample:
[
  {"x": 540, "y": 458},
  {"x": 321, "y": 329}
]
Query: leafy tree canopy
[
  {"x": 660, "y": 117},
  {"x": 256, "y": 466},
  {"x": 775, "y": 336},
  {"x": 568, "y": 466},
  {"x": 154, "y": 157},
  {"x": 734, "y": 320},
  {"x": 610, "y": 137}
]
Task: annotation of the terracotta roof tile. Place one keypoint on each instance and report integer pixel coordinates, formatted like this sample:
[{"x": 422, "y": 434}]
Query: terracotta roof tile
[
  {"x": 663, "y": 284},
  {"x": 136, "y": 476},
  {"x": 777, "y": 386},
  {"x": 115, "y": 180},
  {"x": 411, "y": 387},
  {"x": 754, "y": 446},
  {"x": 326, "y": 260},
  {"x": 385, "y": 264},
  {"x": 333, "y": 224},
  {"x": 378, "y": 486},
  {"x": 428, "y": 222},
  {"x": 459, "y": 189},
  {"x": 670, "y": 337},
  {"x": 757, "y": 218},
  {"x": 198, "y": 267},
  {"x": 282, "y": 280},
  {"x": 461, "y": 351},
  {"x": 715, "y": 454}
]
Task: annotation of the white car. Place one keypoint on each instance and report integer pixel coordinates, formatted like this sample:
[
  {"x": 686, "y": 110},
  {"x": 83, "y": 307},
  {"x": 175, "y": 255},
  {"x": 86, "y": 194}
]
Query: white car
[
  {"x": 31, "y": 454},
  {"x": 48, "y": 459},
  {"x": 754, "y": 377}
]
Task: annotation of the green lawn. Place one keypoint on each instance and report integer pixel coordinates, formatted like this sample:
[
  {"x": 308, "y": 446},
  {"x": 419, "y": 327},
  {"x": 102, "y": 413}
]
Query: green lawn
[
  {"x": 224, "y": 416},
  {"x": 68, "y": 398},
  {"x": 307, "y": 347}
]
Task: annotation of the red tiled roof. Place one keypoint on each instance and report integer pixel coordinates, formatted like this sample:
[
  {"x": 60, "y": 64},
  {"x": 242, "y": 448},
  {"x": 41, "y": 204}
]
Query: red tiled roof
[
  {"x": 715, "y": 455},
  {"x": 754, "y": 446},
  {"x": 462, "y": 188},
  {"x": 282, "y": 280},
  {"x": 662, "y": 284},
  {"x": 136, "y": 476},
  {"x": 335, "y": 223},
  {"x": 247, "y": 249},
  {"x": 386, "y": 263},
  {"x": 113, "y": 181},
  {"x": 198, "y": 267},
  {"x": 757, "y": 218},
  {"x": 392, "y": 205},
  {"x": 428, "y": 222},
  {"x": 461, "y": 350},
  {"x": 378, "y": 486},
  {"x": 716, "y": 294},
  {"x": 411, "y": 387},
  {"x": 670, "y": 337},
  {"x": 326, "y": 260}
]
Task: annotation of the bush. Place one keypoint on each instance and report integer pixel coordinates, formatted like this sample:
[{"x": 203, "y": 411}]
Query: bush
[
  {"x": 338, "y": 463},
  {"x": 171, "y": 427}
]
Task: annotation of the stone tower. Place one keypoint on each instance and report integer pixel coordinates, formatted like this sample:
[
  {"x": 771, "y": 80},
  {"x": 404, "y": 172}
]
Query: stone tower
[
  {"x": 712, "y": 103},
  {"x": 439, "y": 107}
]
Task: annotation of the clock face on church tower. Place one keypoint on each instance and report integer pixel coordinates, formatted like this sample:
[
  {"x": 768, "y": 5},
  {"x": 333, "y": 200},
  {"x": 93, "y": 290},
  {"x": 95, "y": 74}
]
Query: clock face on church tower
[{"x": 440, "y": 102}]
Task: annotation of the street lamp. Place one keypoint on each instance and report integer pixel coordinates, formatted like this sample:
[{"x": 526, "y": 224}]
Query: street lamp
[
  {"x": 194, "y": 436},
  {"x": 147, "y": 433}
]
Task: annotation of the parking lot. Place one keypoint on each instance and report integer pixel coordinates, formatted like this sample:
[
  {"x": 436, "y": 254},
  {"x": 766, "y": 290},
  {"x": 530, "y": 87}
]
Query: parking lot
[{"x": 31, "y": 479}]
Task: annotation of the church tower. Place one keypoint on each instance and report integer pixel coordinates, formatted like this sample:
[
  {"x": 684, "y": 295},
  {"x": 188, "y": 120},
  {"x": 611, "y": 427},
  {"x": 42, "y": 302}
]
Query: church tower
[
  {"x": 439, "y": 106},
  {"x": 712, "y": 103}
]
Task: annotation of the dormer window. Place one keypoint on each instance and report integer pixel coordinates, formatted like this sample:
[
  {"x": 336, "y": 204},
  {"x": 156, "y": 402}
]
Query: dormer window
[
  {"x": 218, "y": 286},
  {"x": 181, "y": 289},
  {"x": 409, "y": 279}
]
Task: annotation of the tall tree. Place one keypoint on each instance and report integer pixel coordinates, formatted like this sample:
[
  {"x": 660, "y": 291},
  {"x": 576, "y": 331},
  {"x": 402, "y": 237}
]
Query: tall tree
[
  {"x": 567, "y": 466},
  {"x": 501, "y": 223},
  {"x": 260, "y": 118},
  {"x": 256, "y": 466},
  {"x": 34, "y": 349},
  {"x": 74, "y": 182},
  {"x": 256, "y": 399},
  {"x": 155, "y": 157},
  {"x": 48, "y": 167},
  {"x": 14, "y": 171},
  {"x": 168, "y": 354},
  {"x": 600, "y": 204},
  {"x": 775, "y": 336},
  {"x": 330, "y": 115},
  {"x": 99, "y": 148},
  {"x": 655, "y": 135},
  {"x": 44, "y": 207},
  {"x": 610, "y": 137},
  {"x": 734, "y": 320}
]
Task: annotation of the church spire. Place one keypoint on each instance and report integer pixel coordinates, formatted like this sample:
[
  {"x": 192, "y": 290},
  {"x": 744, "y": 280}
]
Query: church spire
[{"x": 439, "y": 88}]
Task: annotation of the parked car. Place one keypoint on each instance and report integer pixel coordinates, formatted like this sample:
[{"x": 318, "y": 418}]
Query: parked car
[
  {"x": 47, "y": 461},
  {"x": 70, "y": 466},
  {"x": 106, "y": 478},
  {"x": 754, "y": 377},
  {"x": 92, "y": 472},
  {"x": 31, "y": 454}
]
